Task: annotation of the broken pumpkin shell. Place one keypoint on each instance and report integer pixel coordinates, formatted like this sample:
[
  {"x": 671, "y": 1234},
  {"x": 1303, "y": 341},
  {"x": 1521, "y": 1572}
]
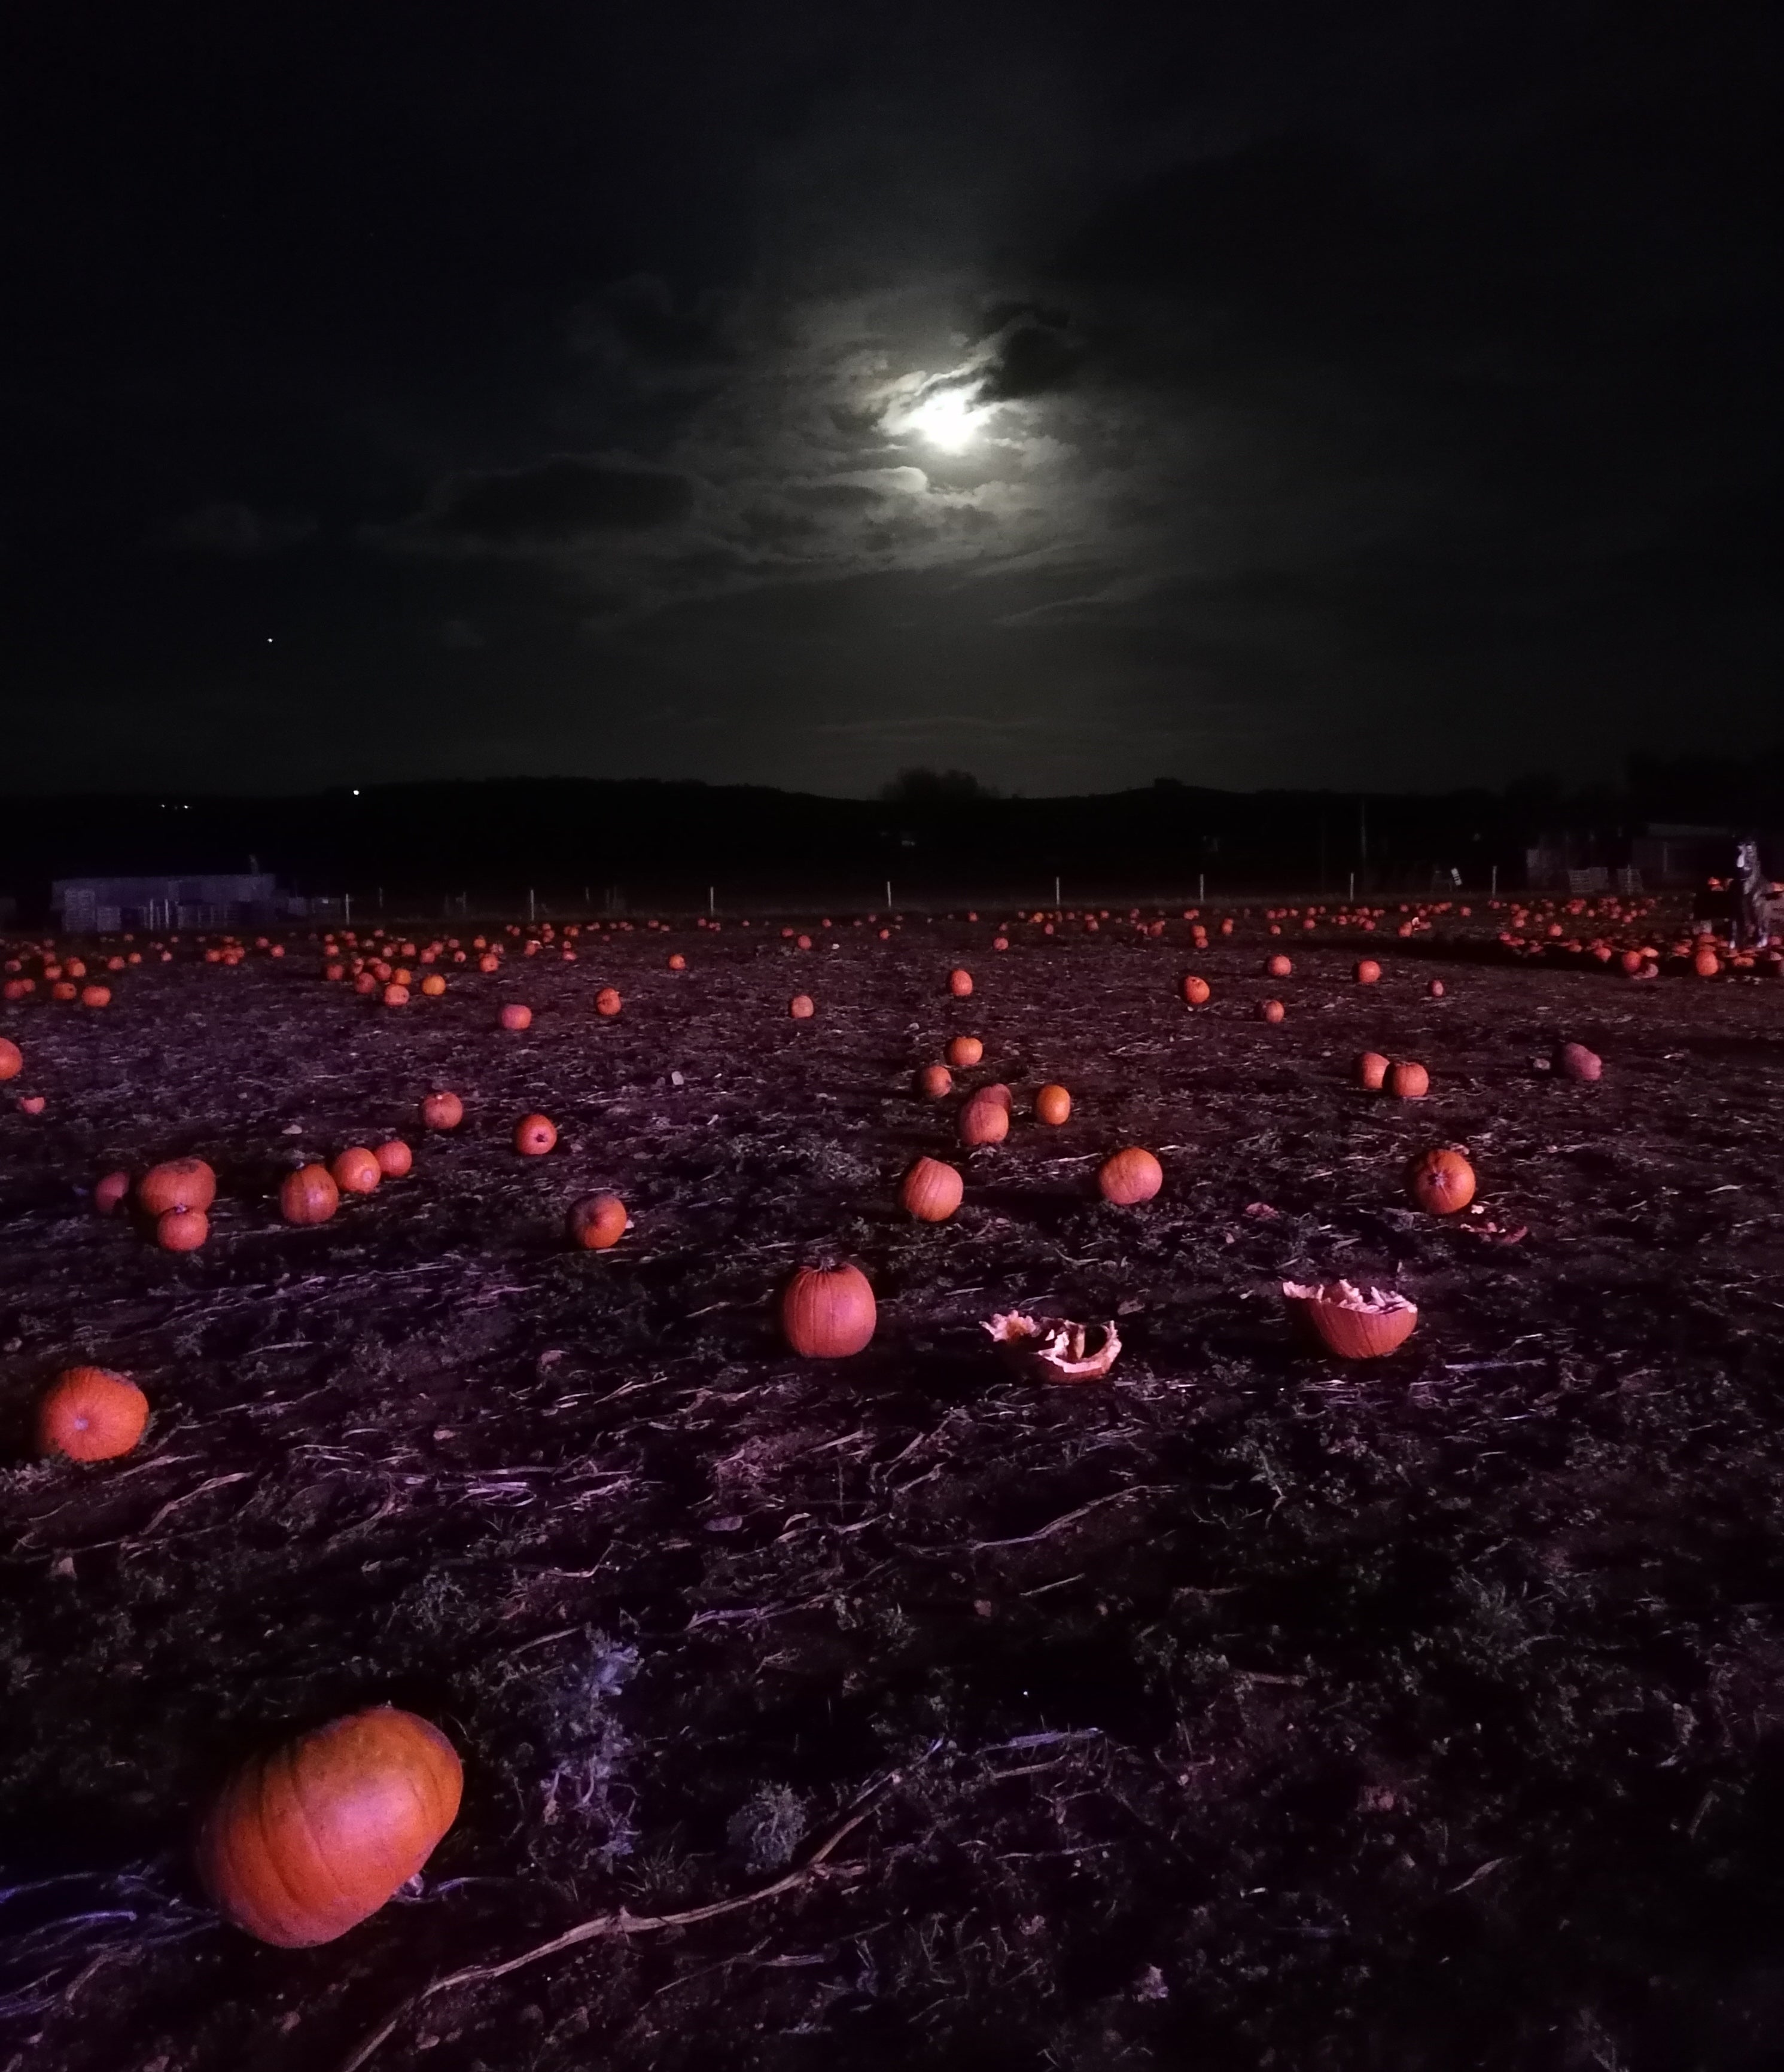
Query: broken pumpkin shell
[
  {"x": 1055, "y": 1352},
  {"x": 1351, "y": 1323}
]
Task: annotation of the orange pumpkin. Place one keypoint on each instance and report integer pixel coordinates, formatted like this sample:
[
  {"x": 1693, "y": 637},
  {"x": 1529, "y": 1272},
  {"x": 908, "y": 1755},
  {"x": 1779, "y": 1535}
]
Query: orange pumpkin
[
  {"x": 1349, "y": 1323},
  {"x": 394, "y": 1157},
  {"x": 306, "y": 1841},
  {"x": 1706, "y": 963},
  {"x": 395, "y": 996},
  {"x": 12, "y": 1059},
  {"x": 801, "y": 1007},
  {"x": 309, "y": 1195},
  {"x": 1052, "y": 1105},
  {"x": 442, "y": 1111},
  {"x": 931, "y": 1191},
  {"x": 597, "y": 1222},
  {"x": 1270, "y": 1010},
  {"x": 607, "y": 1001},
  {"x": 1371, "y": 1072},
  {"x": 534, "y": 1134},
  {"x": 433, "y": 985},
  {"x": 1278, "y": 966},
  {"x": 1408, "y": 1080},
  {"x": 933, "y": 1081},
  {"x": 181, "y": 1230},
  {"x": 88, "y": 1414},
  {"x": 1434, "y": 989},
  {"x": 109, "y": 1191},
  {"x": 1441, "y": 1182},
  {"x": 677, "y": 962},
  {"x": 1129, "y": 1177},
  {"x": 828, "y": 1312},
  {"x": 984, "y": 1119},
  {"x": 516, "y": 1016},
  {"x": 1368, "y": 971},
  {"x": 177, "y": 1183},
  {"x": 96, "y": 996},
  {"x": 356, "y": 1171},
  {"x": 1195, "y": 990},
  {"x": 959, "y": 984},
  {"x": 963, "y": 1051}
]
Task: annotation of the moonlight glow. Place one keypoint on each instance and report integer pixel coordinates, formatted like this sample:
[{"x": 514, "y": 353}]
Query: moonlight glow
[{"x": 948, "y": 418}]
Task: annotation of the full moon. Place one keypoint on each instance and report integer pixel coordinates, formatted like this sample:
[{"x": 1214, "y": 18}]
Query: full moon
[{"x": 948, "y": 419}]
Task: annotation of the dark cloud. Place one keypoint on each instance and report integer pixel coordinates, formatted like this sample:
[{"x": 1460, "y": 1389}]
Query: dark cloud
[
  {"x": 236, "y": 530},
  {"x": 641, "y": 318},
  {"x": 1031, "y": 359},
  {"x": 836, "y": 496},
  {"x": 565, "y": 497},
  {"x": 1296, "y": 211}
]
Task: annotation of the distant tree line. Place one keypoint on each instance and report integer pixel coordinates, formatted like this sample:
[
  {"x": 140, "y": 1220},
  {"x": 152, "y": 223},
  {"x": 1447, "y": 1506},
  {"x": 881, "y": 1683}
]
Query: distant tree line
[{"x": 929, "y": 832}]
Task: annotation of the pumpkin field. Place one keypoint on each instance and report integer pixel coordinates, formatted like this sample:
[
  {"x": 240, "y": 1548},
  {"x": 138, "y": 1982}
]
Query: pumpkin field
[{"x": 1035, "y": 1491}]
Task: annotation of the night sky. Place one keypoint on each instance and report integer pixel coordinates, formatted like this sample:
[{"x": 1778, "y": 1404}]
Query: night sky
[{"x": 1075, "y": 394}]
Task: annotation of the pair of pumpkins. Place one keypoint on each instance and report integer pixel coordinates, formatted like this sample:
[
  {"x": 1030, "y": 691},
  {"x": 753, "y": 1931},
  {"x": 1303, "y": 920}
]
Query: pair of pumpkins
[
  {"x": 1404, "y": 1077},
  {"x": 177, "y": 1194}
]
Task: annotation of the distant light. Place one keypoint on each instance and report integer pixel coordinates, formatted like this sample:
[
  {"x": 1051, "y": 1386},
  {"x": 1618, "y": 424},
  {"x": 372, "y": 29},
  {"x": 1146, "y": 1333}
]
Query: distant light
[
  {"x": 269, "y": 639},
  {"x": 356, "y": 791}
]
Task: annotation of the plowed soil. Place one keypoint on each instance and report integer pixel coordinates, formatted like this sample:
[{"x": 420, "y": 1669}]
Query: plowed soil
[{"x": 1247, "y": 1709}]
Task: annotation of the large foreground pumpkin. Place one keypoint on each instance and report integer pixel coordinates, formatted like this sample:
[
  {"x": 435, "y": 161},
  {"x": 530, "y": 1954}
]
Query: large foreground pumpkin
[
  {"x": 87, "y": 1414},
  {"x": 828, "y": 1312},
  {"x": 306, "y": 1841}
]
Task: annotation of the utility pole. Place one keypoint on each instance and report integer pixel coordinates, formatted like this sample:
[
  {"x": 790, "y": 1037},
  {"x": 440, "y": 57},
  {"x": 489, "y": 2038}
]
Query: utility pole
[
  {"x": 1055, "y": 891},
  {"x": 712, "y": 906},
  {"x": 888, "y": 899},
  {"x": 532, "y": 908}
]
